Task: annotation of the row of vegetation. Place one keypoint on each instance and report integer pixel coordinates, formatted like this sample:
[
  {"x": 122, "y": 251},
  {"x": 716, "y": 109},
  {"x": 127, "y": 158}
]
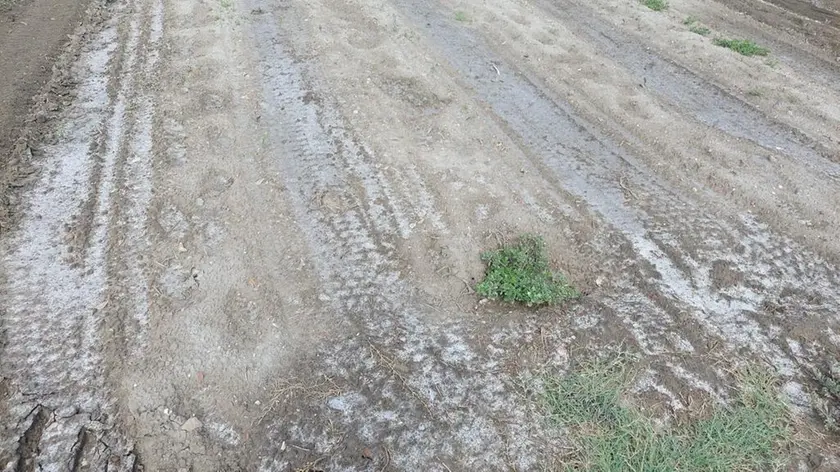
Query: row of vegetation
[
  {"x": 611, "y": 434},
  {"x": 745, "y": 47}
]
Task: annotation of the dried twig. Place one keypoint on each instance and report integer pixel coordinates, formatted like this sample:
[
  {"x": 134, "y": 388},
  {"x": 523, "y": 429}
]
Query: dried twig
[
  {"x": 626, "y": 188},
  {"x": 389, "y": 363},
  {"x": 387, "y": 459},
  {"x": 466, "y": 284}
]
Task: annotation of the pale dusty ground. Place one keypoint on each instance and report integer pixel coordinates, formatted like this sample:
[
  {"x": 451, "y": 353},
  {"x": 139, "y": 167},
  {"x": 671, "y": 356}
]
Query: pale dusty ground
[{"x": 256, "y": 225}]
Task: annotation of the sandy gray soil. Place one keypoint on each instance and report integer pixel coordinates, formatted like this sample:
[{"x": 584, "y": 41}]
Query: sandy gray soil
[{"x": 253, "y": 228}]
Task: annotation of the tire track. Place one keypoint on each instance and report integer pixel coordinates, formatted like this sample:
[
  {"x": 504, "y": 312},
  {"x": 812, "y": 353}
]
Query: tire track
[
  {"x": 732, "y": 174},
  {"x": 59, "y": 292},
  {"x": 343, "y": 201},
  {"x": 427, "y": 372},
  {"x": 808, "y": 10},
  {"x": 810, "y": 46},
  {"x": 694, "y": 96},
  {"x": 131, "y": 205},
  {"x": 415, "y": 378},
  {"x": 584, "y": 161}
]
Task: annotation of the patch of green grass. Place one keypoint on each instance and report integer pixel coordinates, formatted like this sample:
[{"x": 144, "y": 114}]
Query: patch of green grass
[
  {"x": 695, "y": 27},
  {"x": 655, "y": 5},
  {"x": 520, "y": 273},
  {"x": 460, "y": 16},
  {"x": 744, "y": 47},
  {"x": 700, "y": 29},
  {"x": 614, "y": 436}
]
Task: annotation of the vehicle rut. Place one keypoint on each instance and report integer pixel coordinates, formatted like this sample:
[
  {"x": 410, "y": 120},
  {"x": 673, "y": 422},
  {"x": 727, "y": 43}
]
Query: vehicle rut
[
  {"x": 585, "y": 163},
  {"x": 57, "y": 271}
]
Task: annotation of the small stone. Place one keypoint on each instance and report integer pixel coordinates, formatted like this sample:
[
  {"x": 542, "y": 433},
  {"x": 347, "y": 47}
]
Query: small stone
[
  {"x": 367, "y": 453},
  {"x": 96, "y": 426},
  {"x": 829, "y": 464},
  {"x": 337, "y": 403},
  {"x": 815, "y": 460},
  {"x": 191, "y": 425},
  {"x": 66, "y": 411}
]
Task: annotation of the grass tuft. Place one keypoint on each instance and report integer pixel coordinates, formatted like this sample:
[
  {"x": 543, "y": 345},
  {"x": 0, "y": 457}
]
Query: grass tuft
[
  {"x": 700, "y": 29},
  {"x": 826, "y": 399},
  {"x": 695, "y": 27},
  {"x": 460, "y": 16},
  {"x": 744, "y": 47},
  {"x": 614, "y": 436},
  {"x": 655, "y": 5},
  {"x": 520, "y": 273}
]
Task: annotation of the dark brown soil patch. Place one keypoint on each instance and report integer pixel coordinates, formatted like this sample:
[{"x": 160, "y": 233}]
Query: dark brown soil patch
[{"x": 33, "y": 34}]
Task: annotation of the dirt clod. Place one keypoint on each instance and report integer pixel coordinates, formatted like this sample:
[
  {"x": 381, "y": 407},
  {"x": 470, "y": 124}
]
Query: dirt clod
[{"x": 191, "y": 424}]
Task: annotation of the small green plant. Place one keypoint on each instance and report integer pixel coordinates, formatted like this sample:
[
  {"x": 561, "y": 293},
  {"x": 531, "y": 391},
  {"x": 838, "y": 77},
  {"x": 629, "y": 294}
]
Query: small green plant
[
  {"x": 612, "y": 435},
  {"x": 520, "y": 273},
  {"x": 695, "y": 27},
  {"x": 755, "y": 93},
  {"x": 772, "y": 62},
  {"x": 745, "y": 47},
  {"x": 700, "y": 29},
  {"x": 655, "y": 5},
  {"x": 460, "y": 16}
]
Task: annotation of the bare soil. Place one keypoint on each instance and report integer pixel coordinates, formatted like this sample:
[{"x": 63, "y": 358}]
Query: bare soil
[
  {"x": 33, "y": 36},
  {"x": 247, "y": 232}
]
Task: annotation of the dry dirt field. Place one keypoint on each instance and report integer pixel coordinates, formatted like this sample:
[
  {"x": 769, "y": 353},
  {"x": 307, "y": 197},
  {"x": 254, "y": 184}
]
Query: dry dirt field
[{"x": 245, "y": 234}]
